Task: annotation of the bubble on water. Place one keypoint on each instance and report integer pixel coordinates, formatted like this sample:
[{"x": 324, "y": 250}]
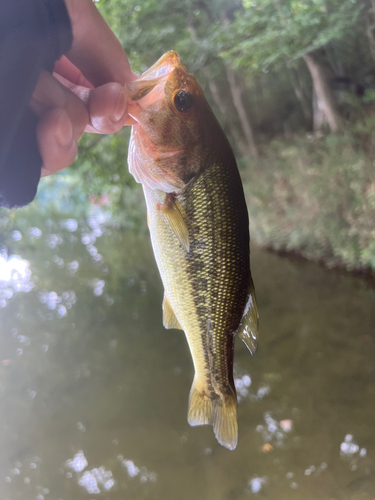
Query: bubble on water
[
  {"x": 78, "y": 462},
  {"x": 131, "y": 468},
  {"x": 15, "y": 275},
  {"x": 16, "y": 235},
  {"x": 72, "y": 266},
  {"x": 86, "y": 239},
  {"x": 81, "y": 427},
  {"x": 34, "y": 233},
  {"x": 256, "y": 484},
  {"x": 141, "y": 472},
  {"x": 238, "y": 384},
  {"x": 69, "y": 224},
  {"x": 263, "y": 392},
  {"x": 92, "y": 480},
  {"x": 91, "y": 249},
  {"x": 348, "y": 447},
  {"x": 54, "y": 240},
  {"x": 98, "y": 287},
  {"x": 61, "y": 311}
]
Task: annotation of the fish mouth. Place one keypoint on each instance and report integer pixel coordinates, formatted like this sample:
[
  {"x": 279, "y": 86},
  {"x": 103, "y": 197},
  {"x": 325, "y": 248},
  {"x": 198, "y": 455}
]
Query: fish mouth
[
  {"x": 149, "y": 87},
  {"x": 163, "y": 67}
]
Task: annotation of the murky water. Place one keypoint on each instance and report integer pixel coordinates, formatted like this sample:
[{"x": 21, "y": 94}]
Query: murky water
[{"x": 94, "y": 391}]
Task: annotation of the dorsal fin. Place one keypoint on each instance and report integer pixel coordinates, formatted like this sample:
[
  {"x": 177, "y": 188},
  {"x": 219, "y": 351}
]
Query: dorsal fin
[
  {"x": 169, "y": 317},
  {"x": 248, "y": 331},
  {"x": 176, "y": 221}
]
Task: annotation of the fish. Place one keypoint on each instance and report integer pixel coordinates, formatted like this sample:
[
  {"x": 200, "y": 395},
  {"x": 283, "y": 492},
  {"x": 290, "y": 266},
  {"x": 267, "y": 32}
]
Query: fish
[{"x": 199, "y": 227}]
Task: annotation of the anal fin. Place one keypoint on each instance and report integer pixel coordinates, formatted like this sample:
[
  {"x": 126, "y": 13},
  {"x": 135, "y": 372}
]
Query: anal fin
[
  {"x": 169, "y": 317},
  {"x": 248, "y": 331},
  {"x": 176, "y": 221}
]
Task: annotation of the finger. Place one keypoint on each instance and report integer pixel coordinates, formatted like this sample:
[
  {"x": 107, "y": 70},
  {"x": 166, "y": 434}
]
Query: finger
[
  {"x": 56, "y": 141},
  {"x": 95, "y": 49},
  {"x": 108, "y": 108},
  {"x": 107, "y": 105},
  {"x": 70, "y": 72},
  {"x": 49, "y": 94}
]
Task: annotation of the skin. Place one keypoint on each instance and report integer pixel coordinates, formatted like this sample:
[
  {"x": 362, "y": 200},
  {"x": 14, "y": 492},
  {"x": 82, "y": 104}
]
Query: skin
[
  {"x": 199, "y": 231},
  {"x": 86, "y": 91}
]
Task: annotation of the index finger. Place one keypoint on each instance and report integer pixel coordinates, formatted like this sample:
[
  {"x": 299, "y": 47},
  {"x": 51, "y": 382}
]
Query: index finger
[{"x": 70, "y": 72}]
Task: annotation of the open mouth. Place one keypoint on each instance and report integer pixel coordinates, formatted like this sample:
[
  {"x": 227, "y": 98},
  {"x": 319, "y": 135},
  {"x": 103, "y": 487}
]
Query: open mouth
[
  {"x": 163, "y": 67},
  {"x": 149, "y": 87}
]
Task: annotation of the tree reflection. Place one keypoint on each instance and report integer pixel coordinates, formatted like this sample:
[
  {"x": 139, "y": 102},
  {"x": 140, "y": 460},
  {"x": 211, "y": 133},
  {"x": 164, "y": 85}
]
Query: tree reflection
[{"x": 87, "y": 371}]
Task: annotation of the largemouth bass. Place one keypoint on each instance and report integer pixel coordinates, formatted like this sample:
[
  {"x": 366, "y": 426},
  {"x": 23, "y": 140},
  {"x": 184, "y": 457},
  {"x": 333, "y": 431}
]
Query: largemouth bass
[{"x": 199, "y": 230}]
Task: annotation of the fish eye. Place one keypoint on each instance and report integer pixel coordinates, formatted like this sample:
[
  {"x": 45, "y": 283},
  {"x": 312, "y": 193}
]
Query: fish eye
[{"x": 183, "y": 101}]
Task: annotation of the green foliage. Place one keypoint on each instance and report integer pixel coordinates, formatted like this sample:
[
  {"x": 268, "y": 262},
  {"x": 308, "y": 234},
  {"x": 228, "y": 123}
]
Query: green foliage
[
  {"x": 276, "y": 31},
  {"x": 312, "y": 195},
  {"x": 316, "y": 196}
]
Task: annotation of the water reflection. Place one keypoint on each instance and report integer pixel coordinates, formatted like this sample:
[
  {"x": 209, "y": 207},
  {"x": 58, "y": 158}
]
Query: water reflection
[
  {"x": 15, "y": 276},
  {"x": 93, "y": 390}
]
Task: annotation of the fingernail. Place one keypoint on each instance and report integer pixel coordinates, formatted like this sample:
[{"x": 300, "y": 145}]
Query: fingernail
[
  {"x": 120, "y": 108},
  {"x": 64, "y": 131}
]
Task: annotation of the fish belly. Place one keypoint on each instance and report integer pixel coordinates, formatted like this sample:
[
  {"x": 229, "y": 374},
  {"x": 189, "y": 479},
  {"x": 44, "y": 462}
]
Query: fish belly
[{"x": 207, "y": 286}]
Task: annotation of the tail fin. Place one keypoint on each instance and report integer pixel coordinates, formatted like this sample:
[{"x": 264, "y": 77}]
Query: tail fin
[
  {"x": 225, "y": 422},
  {"x": 200, "y": 407},
  {"x": 221, "y": 414}
]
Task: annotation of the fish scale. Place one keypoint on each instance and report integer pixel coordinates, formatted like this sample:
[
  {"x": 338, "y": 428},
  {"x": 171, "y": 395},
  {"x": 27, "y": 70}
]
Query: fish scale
[
  {"x": 199, "y": 231},
  {"x": 203, "y": 285}
]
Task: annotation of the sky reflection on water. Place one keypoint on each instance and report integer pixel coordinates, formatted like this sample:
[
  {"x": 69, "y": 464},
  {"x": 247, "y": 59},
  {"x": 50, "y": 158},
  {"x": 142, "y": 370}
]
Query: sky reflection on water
[{"x": 93, "y": 390}]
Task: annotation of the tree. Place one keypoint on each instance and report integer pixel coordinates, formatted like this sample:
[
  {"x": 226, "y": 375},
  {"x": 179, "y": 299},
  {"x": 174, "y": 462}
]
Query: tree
[{"x": 277, "y": 32}]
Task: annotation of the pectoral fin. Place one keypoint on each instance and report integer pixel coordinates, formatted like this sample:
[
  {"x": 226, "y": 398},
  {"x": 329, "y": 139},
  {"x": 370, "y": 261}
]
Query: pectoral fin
[
  {"x": 248, "y": 330},
  {"x": 169, "y": 317},
  {"x": 175, "y": 219}
]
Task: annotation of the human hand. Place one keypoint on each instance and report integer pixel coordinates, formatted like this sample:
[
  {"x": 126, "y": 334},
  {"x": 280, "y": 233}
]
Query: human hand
[{"x": 86, "y": 91}]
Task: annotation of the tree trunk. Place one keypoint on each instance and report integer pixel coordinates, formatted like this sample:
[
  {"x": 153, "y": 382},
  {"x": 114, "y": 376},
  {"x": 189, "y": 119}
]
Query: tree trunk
[
  {"x": 370, "y": 32},
  {"x": 224, "y": 111},
  {"x": 324, "y": 96},
  {"x": 302, "y": 99},
  {"x": 235, "y": 91}
]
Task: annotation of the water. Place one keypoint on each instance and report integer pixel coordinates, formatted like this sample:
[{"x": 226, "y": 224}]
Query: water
[{"x": 94, "y": 391}]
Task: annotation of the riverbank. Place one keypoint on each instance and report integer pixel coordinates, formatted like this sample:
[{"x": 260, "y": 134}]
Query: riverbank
[{"x": 315, "y": 197}]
